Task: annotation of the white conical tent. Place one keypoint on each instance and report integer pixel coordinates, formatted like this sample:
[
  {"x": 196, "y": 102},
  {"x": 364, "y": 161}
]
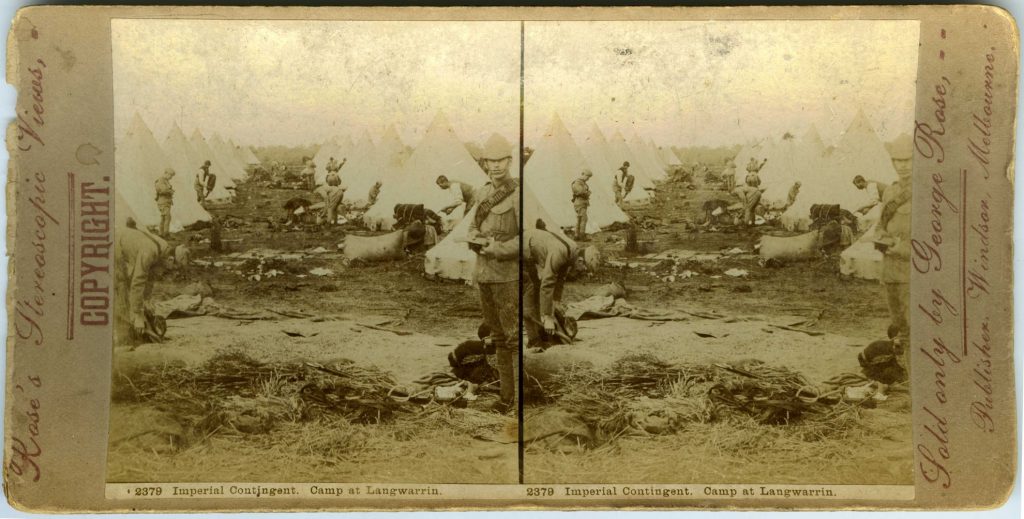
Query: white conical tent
[
  {"x": 138, "y": 162},
  {"x": 791, "y": 161},
  {"x": 619, "y": 152},
  {"x": 243, "y": 154},
  {"x": 858, "y": 152},
  {"x": 656, "y": 154},
  {"x": 186, "y": 163},
  {"x": 812, "y": 140},
  {"x": 204, "y": 153},
  {"x": 391, "y": 151},
  {"x": 360, "y": 171},
  {"x": 451, "y": 257},
  {"x": 333, "y": 147},
  {"x": 652, "y": 148},
  {"x": 249, "y": 157},
  {"x": 555, "y": 163},
  {"x": 234, "y": 168},
  {"x": 439, "y": 153},
  {"x": 861, "y": 259},
  {"x": 595, "y": 152},
  {"x": 386, "y": 161},
  {"x": 642, "y": 155},
  {"x": 326, "y": 150},
  {"x": 668, "y": 157},
  {"x": 123, "y": 209},
  {"x": 758, "y": 151}
]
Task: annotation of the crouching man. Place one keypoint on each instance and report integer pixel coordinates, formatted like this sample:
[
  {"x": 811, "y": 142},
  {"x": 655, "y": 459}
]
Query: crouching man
[
  {"x": 547, "y": 259},
  {"x": 138, "y": 257},
  {"x": 494, "y": 237}
]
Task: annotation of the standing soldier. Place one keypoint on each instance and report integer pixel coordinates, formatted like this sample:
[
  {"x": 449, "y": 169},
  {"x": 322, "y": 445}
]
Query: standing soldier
[
  {"x": 581, "y": 202},
  {"x": 332, "y": 195},
  {"x": 202, "y": 179},
  {"x": 164, "y": 200},
  {"x": 617, "y": 190},
  {"x": 309, "y": 175},
  {"x": 753, "y": 169},
  {"x": 893, "y": 240},
  {"x": 333, "y": 167},
  {"x": 494, "y": 237},
  {"x": 729, "y": 175},
  {"x": 625, "y": 181},
  {"x": 371, "y": 197}
]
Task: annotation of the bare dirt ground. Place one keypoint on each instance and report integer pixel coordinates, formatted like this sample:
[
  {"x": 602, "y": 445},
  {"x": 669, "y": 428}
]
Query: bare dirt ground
[
  {"x": 874, "y": 449},
  {"x": 435, "y": 444},
  {"x": 440, "y": 444}
]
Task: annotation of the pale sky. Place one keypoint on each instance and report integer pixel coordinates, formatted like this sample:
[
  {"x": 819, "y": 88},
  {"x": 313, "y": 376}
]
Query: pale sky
[
  {"x": 299, "y": 82},
  {"x": 712, "y": 83},
  {"x": 681, "y": 83}
]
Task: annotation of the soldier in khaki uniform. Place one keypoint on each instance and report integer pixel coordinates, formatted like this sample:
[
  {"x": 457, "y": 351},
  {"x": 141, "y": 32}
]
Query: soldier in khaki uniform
[
  {"x": 581, "y": 203},
  {"x": 893, "y": 239},
  {"x": 494, "y": 235},
  {"x": 546, "y": 260},
  {"x": 138, "y": 256},
  {"x": 164, "y": 200}
]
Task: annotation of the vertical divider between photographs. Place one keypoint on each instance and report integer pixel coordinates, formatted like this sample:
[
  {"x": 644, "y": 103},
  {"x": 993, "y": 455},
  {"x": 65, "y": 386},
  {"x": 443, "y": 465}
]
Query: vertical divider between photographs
[{"x": 522, "y": 180}]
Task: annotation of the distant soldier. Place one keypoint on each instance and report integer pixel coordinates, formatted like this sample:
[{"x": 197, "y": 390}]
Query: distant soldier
[
  {"x": 138, "y": 255},
  {"x": 794, "y": 191},
  {"x": 581, "y": 203},
  {"x": 204, "y": 183},
  {"x": 624, "y": 180},
  {"x": 332, "y": 196},
  {"x": 164, "y": 200},
  {"x": 729, "y": 174},
  {"x": 494, "y": 237},
  {"x": 465, "y": 194},
  {"x": 309, "y": 175},
  {"x": 333, "y": 167},
  {"x": 876, "y": 191},
  {"x": 750, "y": 196},
  {"x": 753, "y": 178},
  {"x": 371, "y": 198}
]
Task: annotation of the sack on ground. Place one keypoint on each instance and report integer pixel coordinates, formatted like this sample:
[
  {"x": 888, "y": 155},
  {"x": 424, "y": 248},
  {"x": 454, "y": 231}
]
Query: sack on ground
[
  {"x": 375, "y": 248},
  {"x": 801, "y": 247}
]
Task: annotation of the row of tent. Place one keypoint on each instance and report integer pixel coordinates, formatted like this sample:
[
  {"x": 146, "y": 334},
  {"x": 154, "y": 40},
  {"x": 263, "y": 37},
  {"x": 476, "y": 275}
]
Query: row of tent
[
  {"x": 826, "y": 176},
  {"x": 825, "y": 172},
  {"x": 407, "y": 175},
  {"x": 559, "y": 158},
  {"x": 139, "y": 160}
]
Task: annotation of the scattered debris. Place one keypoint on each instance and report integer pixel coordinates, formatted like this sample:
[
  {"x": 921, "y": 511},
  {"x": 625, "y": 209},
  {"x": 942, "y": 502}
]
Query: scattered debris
[
  {"x": 736, "y": 273},
  {"x": 812, "y": 333},
  {"x": 320, "y": 271},
  {"x": 381, "y": 328}
]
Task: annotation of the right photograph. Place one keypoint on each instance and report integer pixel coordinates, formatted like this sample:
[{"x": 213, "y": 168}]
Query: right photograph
[{"x": 716, "y": 252}]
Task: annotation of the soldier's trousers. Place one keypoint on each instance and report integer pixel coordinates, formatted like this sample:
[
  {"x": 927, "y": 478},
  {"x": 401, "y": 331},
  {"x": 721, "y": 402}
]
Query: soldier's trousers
[
  {"x": 897, "y": 295},
  {"x": 500, "y": 305}
]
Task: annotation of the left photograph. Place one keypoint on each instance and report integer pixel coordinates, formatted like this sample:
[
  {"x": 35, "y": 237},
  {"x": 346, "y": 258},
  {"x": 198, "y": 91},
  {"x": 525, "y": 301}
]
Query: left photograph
[{"x": 317, "y": 239}]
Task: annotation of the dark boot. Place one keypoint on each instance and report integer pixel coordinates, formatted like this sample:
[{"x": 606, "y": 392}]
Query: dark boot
[{"x": 508, "y": 375}]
